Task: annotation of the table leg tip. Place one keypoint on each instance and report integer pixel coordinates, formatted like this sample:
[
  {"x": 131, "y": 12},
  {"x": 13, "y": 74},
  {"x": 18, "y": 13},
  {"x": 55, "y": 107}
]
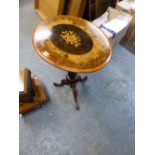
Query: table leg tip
[{"x": 77, "y": 108}]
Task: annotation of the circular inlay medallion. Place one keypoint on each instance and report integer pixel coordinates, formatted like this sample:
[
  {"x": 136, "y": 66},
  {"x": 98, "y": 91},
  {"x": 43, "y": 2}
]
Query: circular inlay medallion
[{"x": 71, "y": 39}]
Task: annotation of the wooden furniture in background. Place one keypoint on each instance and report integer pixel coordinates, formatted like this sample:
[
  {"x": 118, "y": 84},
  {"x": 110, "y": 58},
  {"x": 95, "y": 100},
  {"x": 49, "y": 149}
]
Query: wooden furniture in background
[
  {"x": 101, "y": 7},
  {"x": 38, "y": 98},
  {"x": 25, "y": 85},
  {"x": 96, "y": 8},
  {"x": 49, "y": 8},
  {"x": 75, "y": 7}
]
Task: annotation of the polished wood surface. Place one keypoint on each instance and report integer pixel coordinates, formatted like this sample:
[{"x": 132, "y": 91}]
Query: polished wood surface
[
  {"x": 72, "y": 44},
  {"x": 38, "y": 99},
  {"x": 72, "y": 4},
  {"x": 49, "y": 8},
  {"x": 22, "y": 81},
  {"x": 25, "y": 85}
]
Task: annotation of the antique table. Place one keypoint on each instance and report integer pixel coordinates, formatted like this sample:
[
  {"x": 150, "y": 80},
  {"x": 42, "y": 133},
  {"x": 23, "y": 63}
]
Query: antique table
[{"x": 74, "y": 45}]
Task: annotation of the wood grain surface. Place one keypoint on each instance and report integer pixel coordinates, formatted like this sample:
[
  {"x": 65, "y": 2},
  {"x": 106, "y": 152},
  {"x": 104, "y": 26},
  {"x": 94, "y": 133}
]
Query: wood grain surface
[
  {"x": 75, "y": 7},
  {"x": 49, "y": 8},
  {"x": 95, "y": 59},
  {"x": 38, "y": 99}
]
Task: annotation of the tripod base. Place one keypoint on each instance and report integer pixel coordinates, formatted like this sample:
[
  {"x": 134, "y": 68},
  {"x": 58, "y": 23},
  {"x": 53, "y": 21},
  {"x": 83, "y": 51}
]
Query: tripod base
[{"x": 72, "y": 79}]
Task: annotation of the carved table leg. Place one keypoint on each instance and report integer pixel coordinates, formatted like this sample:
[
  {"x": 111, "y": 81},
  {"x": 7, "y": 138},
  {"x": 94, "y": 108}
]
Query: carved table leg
[
  {"x": 75, "y": 95},
  {"x": 63, "y": 82},
  {"x": 72, "y": 79}
]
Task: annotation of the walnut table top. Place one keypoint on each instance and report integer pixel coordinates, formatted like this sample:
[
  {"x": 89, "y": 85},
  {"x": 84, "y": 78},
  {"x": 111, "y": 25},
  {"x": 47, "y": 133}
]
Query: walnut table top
[{"x": 72, "y": 44}]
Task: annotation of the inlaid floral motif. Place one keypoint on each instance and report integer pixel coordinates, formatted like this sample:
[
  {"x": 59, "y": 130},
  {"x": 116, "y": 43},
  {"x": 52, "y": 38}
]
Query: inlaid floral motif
[{"x": 71, "y": 38}]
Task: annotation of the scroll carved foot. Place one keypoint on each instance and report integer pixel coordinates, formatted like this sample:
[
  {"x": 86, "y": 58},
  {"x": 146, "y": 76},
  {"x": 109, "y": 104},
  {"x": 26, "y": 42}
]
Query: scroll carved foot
[{"x": 62, "y": 83}]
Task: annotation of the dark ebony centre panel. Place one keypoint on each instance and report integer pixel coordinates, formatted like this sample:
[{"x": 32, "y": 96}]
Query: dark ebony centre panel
[{"x": 71, "y": 39}]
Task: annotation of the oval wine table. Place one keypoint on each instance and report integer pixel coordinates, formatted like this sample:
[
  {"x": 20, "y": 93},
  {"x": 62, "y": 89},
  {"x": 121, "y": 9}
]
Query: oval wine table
[{"x": 74, "y": 45}]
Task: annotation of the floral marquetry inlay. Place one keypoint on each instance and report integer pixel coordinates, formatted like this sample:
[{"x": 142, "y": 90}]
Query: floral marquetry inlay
[{"x": 71, "y": 38}]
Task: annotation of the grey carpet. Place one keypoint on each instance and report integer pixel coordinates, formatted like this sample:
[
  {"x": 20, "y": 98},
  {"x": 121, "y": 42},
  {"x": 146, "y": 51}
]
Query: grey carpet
[{"x": 105, "y": 123}]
